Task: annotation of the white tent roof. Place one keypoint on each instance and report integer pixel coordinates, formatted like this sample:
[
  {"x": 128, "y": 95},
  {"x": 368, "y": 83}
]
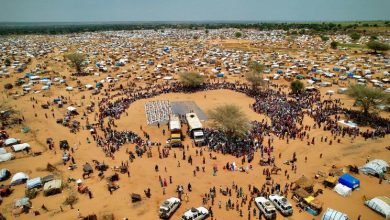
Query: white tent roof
[
  {"x": 6, "y": 157},
  {"x": 332, "y": 214},
  {"x": 20, "y": 147},
  {"x": 380, "y": 204},
  {"x": 343, "y": 190},
  {"x": 18, "y": 177},
  {"x": 71, "y": 108},
  {"x": 10, "y": 141},
  {"x": 375, "y": 167}
]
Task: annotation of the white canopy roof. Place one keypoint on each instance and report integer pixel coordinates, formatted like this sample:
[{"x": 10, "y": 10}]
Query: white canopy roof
[
  {"x": 332, "y": 214},
  {"x": 71, "y": 108},
  {"x": 343, "y": 190},
  {"x": 380, "y": 204},
  {"x": 375, "y": 167},
  {"x": 11, "y": 141},
  {"x": 18, "y": 177}
]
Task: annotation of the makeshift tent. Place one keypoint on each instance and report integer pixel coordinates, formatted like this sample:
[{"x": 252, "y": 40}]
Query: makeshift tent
[
  {"x": 19, "y": 178},
  {"x": 349, "y": 181},
  {"x": 342, "y": 90},
  {"x": 52, "y": 187},
  {"x": 6, "y": 157},
  {"x": 331, "y": 214},
  {"x": 343, "y": 190},
  {"x": 4, "y": 174},
  {"x": 33, "y": 183},
  {"x": 305, "y": 183},
  {"x": 375, "y": 167},
  {"x": 20, "y": 147},
  {"x": 22, "y": 202},
  {"x": 71, "y": 109},
  {"x": 47, "y": 178},
  {"x": 11, "y": 141},
  {"x": 3, "y": 151},
  {"x": 380, "y": 204}
]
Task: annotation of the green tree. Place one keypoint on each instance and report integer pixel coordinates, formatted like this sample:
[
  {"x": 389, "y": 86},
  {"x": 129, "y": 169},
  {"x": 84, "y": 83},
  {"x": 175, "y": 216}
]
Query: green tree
[
  {"x": 7, "y": 62},
  {"x": 191, "y": 79},
  {"x": 355, "y": 36},
  {"x": 377, "y": 46},
  {"x": 238, "y": 34},
  {"x": 229, "y": 119},
  {"x": 296, "y": 86},
  {"x": 324, "y": 38},
  {"x": 256, "y": 67},
  {"x": 367, "y": 97},
  {"x": 77, "y": 60},
  {"x": 334, "y": 44}
]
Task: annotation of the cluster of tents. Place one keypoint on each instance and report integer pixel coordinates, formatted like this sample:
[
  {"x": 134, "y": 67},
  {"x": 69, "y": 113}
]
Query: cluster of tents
[
  {"x": 14, "y": 145},
  {"x": 346, "y": 183}
]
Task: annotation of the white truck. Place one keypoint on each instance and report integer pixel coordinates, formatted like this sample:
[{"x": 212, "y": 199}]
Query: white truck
[
  {"x": 175, "y": 129},
  {"x": 168, "y": 207},
  {"x": 195, "y": 128},
  {"x": 266, "y": 207},
  {"x": 199, "y": 213},
  {"x": 281, "y": 204}
]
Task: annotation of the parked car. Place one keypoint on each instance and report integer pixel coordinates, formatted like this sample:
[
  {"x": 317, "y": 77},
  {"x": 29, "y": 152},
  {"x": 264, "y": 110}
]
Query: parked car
[
  {"x": 281, "y": 204},
  {"x": 266, "y": 207},
  {"x": 199, "y": 213},
  {"x": 168, "y": 207}
]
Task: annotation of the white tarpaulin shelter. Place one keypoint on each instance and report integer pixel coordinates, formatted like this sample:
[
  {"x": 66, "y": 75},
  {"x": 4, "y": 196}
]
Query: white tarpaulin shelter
[
  {"x": 71, "y": 109},
  {"x": 10, "y": 141},
  {"x": 19, "y": 178},
  {"x": 6, "y": 157},
  {"x": 343, "y": 190},
  {"x": 3, "y": 151},
  {"x": 375, "y": 167},
  {"x": 332, "y": 214},
  {"x": 380, "y": 204},
  {"x": 20, "y": 147}
]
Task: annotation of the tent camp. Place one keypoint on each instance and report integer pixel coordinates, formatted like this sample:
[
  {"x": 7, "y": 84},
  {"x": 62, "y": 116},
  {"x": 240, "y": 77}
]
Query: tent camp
[
  {"x": 349, "y": 181},
  {"x": 19, "y": 178},
  {"x": 380, "y": 204},
  {"x": 20, "y": 147},
  {"x": 331, "y": 214},
  {"x": 343, "y": 190},
  {"x": 52, "y": 187},
  {"x": 375, "y": 167},
  {"x": 6, "y": 157},
  {"x": 34, "y": 183}
]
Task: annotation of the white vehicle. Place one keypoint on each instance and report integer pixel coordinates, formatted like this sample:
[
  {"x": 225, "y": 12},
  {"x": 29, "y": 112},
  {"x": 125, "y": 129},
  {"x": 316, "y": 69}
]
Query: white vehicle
[
  {"x": 168, "y": 207},
  {"x": 195, "y": 128},
  {"x": 266, "y": 207},
  {"x": 281, "y": 204},
  {"x": 199, "y": 213}
]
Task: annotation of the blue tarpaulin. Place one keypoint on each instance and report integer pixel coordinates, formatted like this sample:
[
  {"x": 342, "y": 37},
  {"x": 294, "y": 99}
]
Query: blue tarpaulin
[
  {"x": 349, "y": 181},
  {"x": 220, "y": 74}
]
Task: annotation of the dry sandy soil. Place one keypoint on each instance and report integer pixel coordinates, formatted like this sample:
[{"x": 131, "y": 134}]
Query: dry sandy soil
[{"x": 142, "y": 169}]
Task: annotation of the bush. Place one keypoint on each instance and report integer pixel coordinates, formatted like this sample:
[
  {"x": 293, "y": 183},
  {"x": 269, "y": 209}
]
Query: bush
[
  {"x": 8, "y": 86},
  {"x": 296, "y": 86},
  {"x": 334, "y": 45}
]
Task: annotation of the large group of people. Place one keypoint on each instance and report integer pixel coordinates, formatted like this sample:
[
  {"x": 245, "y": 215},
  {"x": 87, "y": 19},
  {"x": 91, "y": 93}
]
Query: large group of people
[{"x": 286, "y": 112}]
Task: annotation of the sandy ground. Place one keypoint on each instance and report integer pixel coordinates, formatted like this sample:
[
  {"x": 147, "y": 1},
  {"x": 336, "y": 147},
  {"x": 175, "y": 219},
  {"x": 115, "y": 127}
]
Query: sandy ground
[{"x": 142, "y": 169}]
